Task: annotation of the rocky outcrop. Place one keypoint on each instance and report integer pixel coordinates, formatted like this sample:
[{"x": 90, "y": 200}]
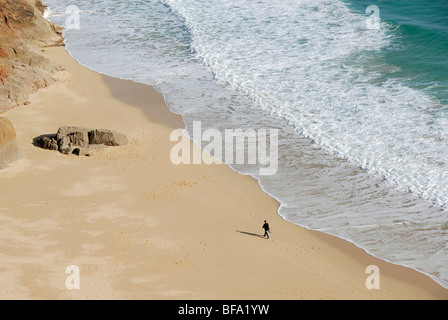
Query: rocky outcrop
[
  {"x": 81, "y": 141},
  {"x": 23, "y": 33},
  {"x": 9, "y": 150}
]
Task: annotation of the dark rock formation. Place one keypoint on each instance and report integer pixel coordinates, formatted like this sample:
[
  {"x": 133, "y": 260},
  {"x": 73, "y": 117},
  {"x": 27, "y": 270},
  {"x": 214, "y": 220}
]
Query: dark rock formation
[
  {"x": 81, "y": 141},
  {"x": 107, "y": 137}
]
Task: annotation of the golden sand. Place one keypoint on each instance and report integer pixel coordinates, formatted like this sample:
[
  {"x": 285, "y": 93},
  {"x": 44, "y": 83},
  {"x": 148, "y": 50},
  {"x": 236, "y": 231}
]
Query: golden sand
[{"x": 139, "y": 227}]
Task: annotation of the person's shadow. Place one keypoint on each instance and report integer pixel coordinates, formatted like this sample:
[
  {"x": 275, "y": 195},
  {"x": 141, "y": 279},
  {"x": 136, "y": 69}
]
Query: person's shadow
[{"x": 250, "y": 234}]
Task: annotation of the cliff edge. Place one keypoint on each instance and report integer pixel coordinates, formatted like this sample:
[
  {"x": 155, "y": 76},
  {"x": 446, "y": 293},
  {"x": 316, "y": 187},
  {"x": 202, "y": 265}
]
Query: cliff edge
[{"x": 23, "y": 33}]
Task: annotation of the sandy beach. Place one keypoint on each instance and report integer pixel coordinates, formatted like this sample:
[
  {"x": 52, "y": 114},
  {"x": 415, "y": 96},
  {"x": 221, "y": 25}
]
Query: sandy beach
[{"x": 139, "y": 227}]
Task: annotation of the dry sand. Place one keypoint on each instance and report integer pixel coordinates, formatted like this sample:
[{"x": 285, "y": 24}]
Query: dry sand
[{"x": 139, "y": 227}]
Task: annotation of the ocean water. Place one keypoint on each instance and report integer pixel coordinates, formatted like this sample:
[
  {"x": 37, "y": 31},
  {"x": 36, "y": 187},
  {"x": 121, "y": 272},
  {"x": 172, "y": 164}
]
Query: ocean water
[{"x": 361, "y": 108}]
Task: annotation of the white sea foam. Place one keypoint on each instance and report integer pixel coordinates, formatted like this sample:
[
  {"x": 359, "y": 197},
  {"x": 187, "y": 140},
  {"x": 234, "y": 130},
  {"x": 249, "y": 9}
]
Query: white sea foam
[
  {"x": 47, "y": 13},
  {"x": 309, "y": 62}
]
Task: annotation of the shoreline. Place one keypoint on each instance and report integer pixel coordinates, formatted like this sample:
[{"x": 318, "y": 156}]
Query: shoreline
[
  {"x": 120, "y": 233},
  {"x": 175, "y": 121}
]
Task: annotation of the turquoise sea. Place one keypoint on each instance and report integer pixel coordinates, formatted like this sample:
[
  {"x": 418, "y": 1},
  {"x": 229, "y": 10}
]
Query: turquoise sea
[{"x": 361, "y": 105}]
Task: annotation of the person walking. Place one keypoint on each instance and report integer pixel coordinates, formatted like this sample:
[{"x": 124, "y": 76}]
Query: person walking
[{"x": 266, "y": 229}]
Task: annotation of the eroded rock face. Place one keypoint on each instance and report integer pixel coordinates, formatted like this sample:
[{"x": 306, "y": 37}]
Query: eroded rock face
[
  {"x": 81, "y": 141},
  {"x": 23, "y": 68},
  {"x": 9, "y": 150},
  {"x": 107, "y": 137}
]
